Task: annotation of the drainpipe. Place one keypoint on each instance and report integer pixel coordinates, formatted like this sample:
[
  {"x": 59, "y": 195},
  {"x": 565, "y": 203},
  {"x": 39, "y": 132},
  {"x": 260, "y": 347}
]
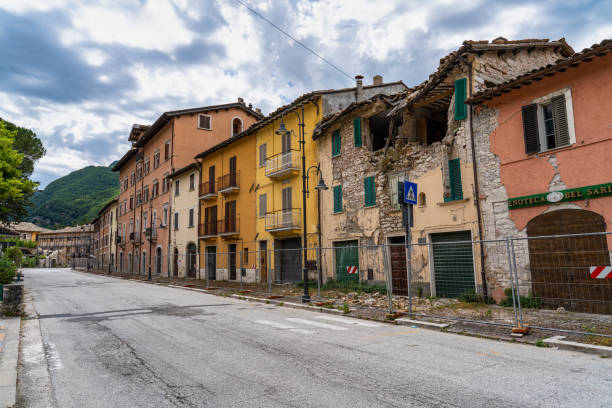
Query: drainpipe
[{"x": 476, "y": 189}]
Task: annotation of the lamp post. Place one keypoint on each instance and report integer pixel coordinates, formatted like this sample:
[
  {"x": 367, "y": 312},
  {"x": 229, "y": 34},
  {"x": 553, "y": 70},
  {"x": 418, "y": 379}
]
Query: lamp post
[
  {"x": 282, "y": 130},
  {"x": 150, "y": 236}
]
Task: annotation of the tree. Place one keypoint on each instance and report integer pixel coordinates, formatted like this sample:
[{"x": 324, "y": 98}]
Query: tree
[
  {"x": 27, "y": 144},
  {"x": 15, "y": 188}
]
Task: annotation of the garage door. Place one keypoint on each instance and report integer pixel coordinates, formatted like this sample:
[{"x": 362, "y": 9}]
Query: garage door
[
  {"x": 453, "y": 264},
  {"x": 347, "y": 260}
]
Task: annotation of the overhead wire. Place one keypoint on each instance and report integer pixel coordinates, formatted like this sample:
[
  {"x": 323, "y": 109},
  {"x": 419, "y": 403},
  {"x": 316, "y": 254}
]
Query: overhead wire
[{"x": 255, "y": 12}]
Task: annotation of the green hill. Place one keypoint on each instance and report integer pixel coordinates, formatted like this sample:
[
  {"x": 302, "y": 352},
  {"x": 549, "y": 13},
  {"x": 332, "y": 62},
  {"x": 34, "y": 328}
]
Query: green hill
[{"x": 75, "y": 198}]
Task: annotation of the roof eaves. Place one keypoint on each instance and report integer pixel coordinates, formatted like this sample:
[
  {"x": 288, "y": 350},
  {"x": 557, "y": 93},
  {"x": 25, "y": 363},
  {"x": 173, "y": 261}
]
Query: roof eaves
[
  {"x": 182, "y": 170},
  {"x": 561, "y": 65}
]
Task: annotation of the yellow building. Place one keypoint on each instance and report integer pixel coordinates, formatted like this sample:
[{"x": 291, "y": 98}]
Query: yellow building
[
  {"x": 280, "y": 224},
  {"x": 227, "y": 232}
]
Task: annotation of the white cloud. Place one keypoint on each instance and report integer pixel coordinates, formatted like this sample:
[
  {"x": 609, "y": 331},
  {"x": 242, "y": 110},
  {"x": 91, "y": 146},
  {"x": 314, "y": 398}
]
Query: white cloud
[
  {"x": 156, "y": 26},
  {"x": 21, "y": 6}
]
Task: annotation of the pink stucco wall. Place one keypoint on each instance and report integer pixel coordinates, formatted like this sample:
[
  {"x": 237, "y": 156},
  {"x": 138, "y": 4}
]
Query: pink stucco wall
[{"x": 587, "y": 162}]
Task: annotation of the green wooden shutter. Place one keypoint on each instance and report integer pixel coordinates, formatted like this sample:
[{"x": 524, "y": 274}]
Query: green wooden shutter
[
  {"x": 369, "y": 188},
  {"x": 454, "y": 175},
  {"x": 460, "y": 95},
  {"x": 357, "y": 131},
  {"x": 336, "y": 143},
  {"x": 337, "y": 199},
  {"x": 530, "y": 128}
]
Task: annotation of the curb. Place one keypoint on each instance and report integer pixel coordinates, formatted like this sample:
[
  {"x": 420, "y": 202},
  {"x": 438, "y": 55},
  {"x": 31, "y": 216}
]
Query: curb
[
  {"x": 8, "y": 361},
  {"x": 422, "y": 324},
  {"x": 557, "y": 341},
  {"x": 290, "y": 304}
]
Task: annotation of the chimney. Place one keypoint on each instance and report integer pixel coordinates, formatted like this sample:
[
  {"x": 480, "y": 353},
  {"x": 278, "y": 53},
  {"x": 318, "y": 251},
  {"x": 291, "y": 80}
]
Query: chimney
[
  {"x": 240, "y": 100},
  {"x": 377, "y": 80},
  {"x": 258, "y": 110},
  {"x": 359, "y": 88}
]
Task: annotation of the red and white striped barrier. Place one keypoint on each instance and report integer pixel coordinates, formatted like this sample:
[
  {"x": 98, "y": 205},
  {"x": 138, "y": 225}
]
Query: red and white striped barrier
[
  {"x": 601, "y": 272},
  {"x": 351, "y": 270}
]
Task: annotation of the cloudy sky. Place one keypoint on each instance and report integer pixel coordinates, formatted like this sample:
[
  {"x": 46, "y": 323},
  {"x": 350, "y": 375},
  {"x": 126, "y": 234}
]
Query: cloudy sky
[{"x": 80, "y": 73}]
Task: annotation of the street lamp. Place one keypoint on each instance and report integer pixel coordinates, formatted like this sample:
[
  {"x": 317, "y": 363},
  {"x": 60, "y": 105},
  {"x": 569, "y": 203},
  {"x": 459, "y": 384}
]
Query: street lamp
[{"x": 282, "y": 131}]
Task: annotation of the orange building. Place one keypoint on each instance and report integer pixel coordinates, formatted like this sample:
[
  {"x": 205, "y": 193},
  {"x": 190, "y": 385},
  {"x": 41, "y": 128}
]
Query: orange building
[{"x": 170, "y": 143}]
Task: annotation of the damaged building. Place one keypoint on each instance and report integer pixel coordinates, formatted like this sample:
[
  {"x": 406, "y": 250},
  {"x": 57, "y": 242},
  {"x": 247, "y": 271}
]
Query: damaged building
[{"x": 422, "y": 135}]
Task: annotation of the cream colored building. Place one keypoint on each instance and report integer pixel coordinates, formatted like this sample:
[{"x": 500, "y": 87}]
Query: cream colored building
[{"x": 184, "y": 234}]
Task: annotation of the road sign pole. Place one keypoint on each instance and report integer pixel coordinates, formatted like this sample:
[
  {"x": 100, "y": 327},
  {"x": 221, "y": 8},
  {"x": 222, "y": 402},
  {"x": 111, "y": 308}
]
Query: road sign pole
[{"x": 407, "y": 193}]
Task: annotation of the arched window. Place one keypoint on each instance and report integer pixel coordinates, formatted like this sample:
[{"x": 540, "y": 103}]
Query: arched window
[
  {"x": 422, "y": 200},
  {"x": 236, "y": 126}
]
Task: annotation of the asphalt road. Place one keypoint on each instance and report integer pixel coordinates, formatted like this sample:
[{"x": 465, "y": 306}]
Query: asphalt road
[{"x": 114, "y": 343}]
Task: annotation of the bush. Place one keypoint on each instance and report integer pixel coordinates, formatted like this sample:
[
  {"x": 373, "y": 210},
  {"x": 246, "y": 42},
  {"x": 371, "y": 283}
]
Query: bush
[
  {"x": 15, "y": 255},
  {"x": 7, "y": 271},
  {"x": 473, "y": 297},
  {"x": 347, "y": 286},
  {"x": 527, "y": 302}
]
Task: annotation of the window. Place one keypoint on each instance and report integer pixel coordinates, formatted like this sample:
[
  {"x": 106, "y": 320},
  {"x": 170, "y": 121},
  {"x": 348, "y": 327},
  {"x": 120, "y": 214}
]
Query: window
[
  {"x": 422, "y": 200},
  {"x": 138, "y": 198},
  {"x": 393, "y": 180},
  {"x": 147, "y": 166},
  {"x": 263, "y": 205},
  {"x": 138, "y": 172},
  {"x": 146, "y": 194},
  {"x": 369, "y": 188},
  {"x": 454, "y": 179},
  {"x": 204, "y": 122},
  {"x": 191, "y": 182},
  {"x": 156, "y": 159},
  {"x": 131, "y": 202},
  {"x": 165, "y": 183},
  {"x": 236, "y": 126},
  {"x": 165, "y": 215},
  {"x": 155, "y": 191},
  {"x": 548, "y": 123},
  {"x": 336, "y": 142},
  {"x": 154, "y": 220},
  {"x": 132, "y": 178},
  {"x": 263, "y": 153},
  {"x": 245, "y": 251},
  {"x": 191, "y": 217},
  {"x": 337, "y": 199},
  {"x": 167, "y": 150},
  {"x": 144, "y": 222},
  {"x": 357, "y": 131},
  {"x": 176, "y": 188},
  {"x": 379, "y": 126},
  {"x": 460, "y": 95},
  {"x": 176, "y": 219}
]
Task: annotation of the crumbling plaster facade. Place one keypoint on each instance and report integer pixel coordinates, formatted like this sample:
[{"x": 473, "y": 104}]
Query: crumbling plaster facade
[{"x": 409, "y": 156}]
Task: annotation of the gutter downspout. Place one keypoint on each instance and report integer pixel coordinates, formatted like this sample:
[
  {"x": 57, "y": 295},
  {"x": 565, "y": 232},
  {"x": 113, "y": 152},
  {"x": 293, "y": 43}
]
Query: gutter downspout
[
  {"x": 477, "y": 190},
  {"x": 199, "y": 264},
  {"x": 170, "y": 217}
]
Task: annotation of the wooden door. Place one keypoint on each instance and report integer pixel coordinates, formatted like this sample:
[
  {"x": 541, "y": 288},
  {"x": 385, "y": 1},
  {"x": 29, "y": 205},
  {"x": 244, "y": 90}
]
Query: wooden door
[
  {"x": 232, "y": 261},
  {"x": 263, "y": 261},
  {"x": 232, "y": 171},
  {"x": 397, "y": 252},
  {"x": 560, "y": 265}
]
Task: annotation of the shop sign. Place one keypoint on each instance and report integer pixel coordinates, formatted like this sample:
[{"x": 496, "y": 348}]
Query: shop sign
[{"x": 572, "y": 194}]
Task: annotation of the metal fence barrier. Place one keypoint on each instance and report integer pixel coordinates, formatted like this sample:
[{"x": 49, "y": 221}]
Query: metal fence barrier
[{"x": 521, "y": 281}]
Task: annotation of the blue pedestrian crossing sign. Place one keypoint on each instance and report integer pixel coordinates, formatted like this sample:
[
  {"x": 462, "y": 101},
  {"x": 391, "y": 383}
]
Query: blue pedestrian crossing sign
[{"x": 410, "y": 192}]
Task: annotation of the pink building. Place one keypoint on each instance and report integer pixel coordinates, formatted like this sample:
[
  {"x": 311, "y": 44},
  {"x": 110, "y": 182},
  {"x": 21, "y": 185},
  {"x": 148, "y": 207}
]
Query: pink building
[{"x": 544, "y": 156}]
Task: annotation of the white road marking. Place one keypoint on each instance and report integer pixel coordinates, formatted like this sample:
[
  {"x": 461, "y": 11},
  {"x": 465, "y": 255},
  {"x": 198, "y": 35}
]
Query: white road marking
[
  {"x": 53, "y": 358},
  {"x": 283, "y": 326},
  {"x": 348, "y": 321},
  {"x": 316, "y": 324}
]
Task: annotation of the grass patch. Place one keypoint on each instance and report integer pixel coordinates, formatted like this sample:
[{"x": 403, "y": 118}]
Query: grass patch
[
  {"x": 347, "y": 286},
  {"x": 527, "y": 302},
  {"x": 473, "y": 297},
  {"x": 599, "y": 340},
  {"x": 540, "y": 343}
]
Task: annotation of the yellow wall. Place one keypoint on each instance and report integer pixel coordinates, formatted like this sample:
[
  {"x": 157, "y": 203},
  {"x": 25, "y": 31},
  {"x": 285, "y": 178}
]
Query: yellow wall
[
  {"x": 273, "y": 188},
  {"x": 244, "y": 150}
]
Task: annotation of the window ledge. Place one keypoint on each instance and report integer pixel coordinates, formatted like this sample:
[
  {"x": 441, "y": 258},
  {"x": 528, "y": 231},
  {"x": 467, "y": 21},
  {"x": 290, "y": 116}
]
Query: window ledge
[
  {"x": 370, "y": 206},
  {"x": 336, "y": 155},
  {"x": 338, "y": 212},
  {"x": 445, "y": 203}
]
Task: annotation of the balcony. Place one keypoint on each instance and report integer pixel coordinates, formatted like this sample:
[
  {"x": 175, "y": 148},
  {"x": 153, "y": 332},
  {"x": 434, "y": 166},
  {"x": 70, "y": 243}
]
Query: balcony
[
  {"x": 207, "y": 191},
  {"x": 229, "y": 183},
  {"x": 286, "y": 221},
  {"x": 207, "y": 229},
  {"x": 132, "y": 235},
  {"x": 228, "y": 227},
  {"x": 283, "y": 165},
  {"x": 151, "y": 234}
]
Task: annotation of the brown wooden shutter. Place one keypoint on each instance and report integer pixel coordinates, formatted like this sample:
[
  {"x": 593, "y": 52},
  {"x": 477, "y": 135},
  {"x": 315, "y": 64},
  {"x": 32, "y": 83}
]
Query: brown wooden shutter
[
  {"x": 530, "y": 128},
  {"x": 560, "y": 121}
]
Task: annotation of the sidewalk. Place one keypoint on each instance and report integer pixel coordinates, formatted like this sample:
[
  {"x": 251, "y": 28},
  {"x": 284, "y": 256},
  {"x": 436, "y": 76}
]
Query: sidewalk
[{"x": 9, "y": 351}]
